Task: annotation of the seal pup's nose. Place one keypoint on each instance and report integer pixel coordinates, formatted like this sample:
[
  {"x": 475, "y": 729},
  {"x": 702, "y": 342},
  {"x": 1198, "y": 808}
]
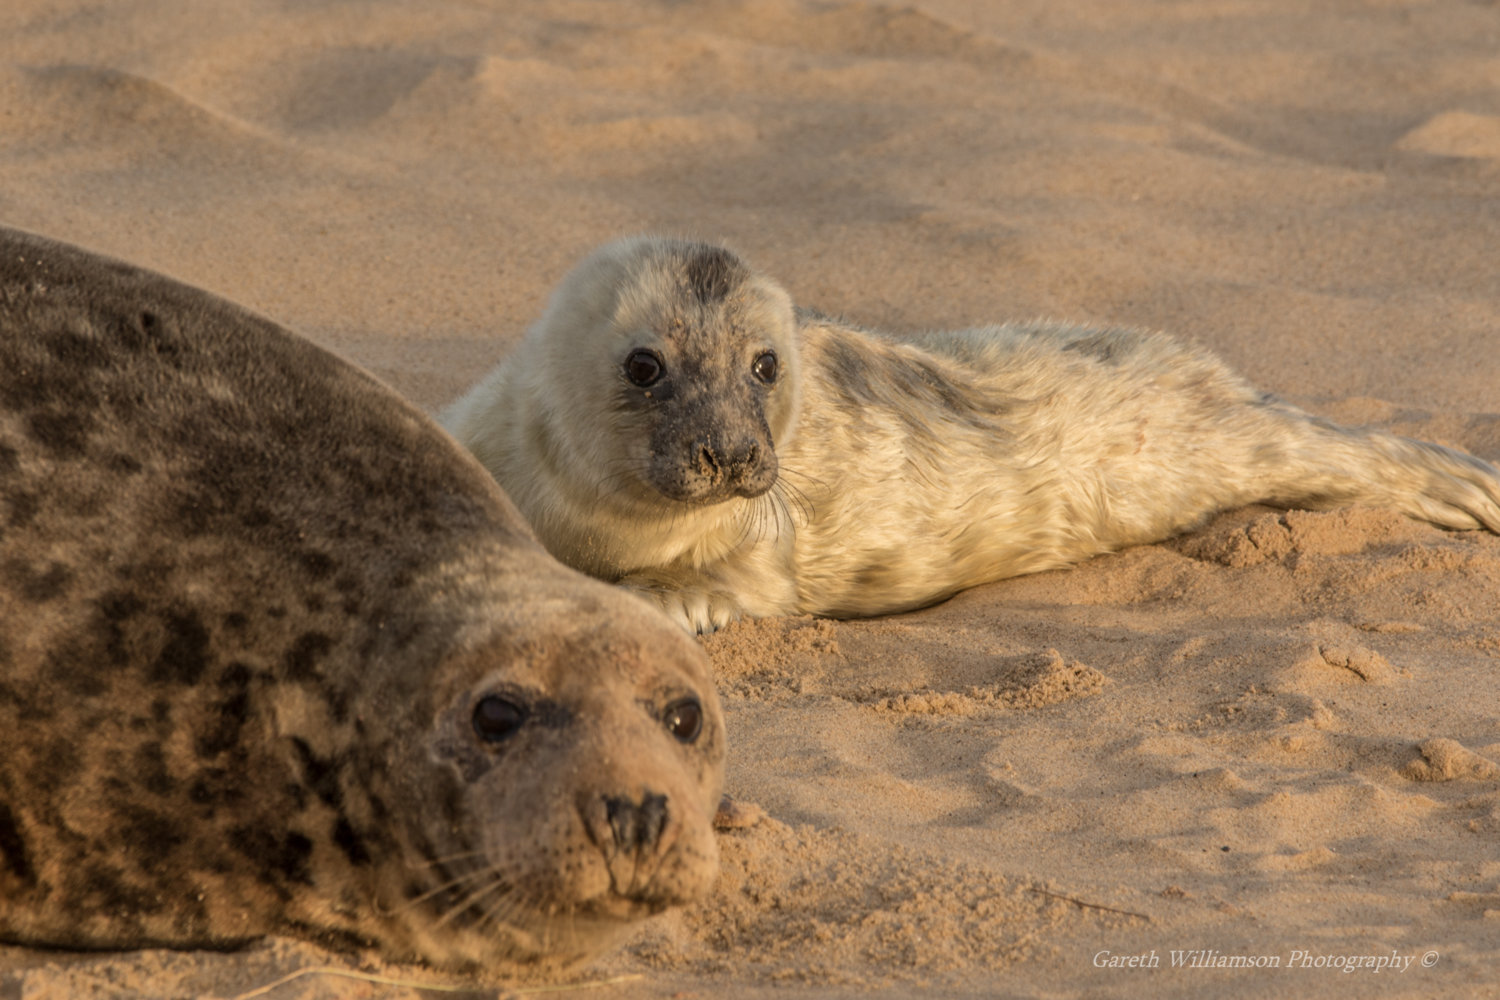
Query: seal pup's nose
[{"x": 636, "y": 826}]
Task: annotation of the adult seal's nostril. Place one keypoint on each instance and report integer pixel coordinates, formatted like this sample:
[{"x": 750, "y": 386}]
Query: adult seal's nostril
[{"x": 637, "y": 826}]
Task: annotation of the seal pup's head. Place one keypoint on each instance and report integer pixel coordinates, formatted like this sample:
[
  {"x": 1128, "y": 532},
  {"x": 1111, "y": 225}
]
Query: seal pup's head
[{"x": 691, "y": 357}]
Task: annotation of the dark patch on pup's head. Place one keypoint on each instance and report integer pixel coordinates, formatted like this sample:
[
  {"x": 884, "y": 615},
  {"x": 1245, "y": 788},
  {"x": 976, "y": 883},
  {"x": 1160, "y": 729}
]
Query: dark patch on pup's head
[{"x": 711, "y": 272}]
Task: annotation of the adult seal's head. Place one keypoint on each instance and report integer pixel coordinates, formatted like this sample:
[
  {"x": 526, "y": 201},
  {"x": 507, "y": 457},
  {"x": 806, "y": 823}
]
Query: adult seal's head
[{"x": 277, "y": 657}]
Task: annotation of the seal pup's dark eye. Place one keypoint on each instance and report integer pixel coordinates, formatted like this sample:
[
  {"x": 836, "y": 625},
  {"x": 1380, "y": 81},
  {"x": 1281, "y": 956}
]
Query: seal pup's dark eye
[
  {"x": 765, "y": 367},
  {"x": 643, "y": 367},
  {"x": 496, "y": 719},
  {"x": 684, "y": 719}
]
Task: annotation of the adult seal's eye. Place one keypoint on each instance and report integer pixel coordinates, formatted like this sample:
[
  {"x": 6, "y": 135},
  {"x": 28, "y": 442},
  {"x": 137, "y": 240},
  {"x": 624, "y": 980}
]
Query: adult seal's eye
[
  {"x": 684, "y": 719},
  {"x": 496, "y": 719},
  {"x": 765, "y": 367},
  {"x": 644, "y": 367}
]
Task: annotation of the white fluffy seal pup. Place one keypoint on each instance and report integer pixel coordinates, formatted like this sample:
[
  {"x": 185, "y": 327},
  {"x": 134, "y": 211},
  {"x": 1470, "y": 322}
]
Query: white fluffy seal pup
[{"x": 672, "y": 424}]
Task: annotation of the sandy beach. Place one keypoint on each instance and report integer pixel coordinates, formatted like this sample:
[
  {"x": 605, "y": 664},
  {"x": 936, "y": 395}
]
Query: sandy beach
[{"x": 1259, "y": 760}]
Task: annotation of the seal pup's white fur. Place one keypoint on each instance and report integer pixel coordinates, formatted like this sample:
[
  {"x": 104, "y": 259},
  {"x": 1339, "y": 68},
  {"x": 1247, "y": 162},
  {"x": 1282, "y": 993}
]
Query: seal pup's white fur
[{"x": 636, "y": 429}]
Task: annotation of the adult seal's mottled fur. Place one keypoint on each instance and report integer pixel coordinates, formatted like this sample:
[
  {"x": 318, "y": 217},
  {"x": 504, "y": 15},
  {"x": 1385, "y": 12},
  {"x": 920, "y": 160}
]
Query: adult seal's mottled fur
[
  {"x": 276, "y": 656},
  {"x": 673, "y": 425}
]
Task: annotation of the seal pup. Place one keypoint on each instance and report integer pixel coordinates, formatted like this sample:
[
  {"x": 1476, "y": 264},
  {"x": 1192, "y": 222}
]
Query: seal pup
[
  {"x": 673, "y": 425},
  {"x": 278, "y": 657}
]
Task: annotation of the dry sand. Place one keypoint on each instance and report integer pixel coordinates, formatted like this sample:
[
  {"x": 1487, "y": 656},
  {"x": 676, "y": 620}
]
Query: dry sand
[{"x": 1278, "y": 736}]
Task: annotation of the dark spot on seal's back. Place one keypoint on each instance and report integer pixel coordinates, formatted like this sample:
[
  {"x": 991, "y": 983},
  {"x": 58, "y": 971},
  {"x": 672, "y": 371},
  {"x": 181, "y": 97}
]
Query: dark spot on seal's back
[
  {"x": 17, "y": 860},
  {"x": 24, "y": 507},
  {"x": 320, "y": 775},
  {"x": 216, "y": 785},
  {"x": 380, "y": 810},
  {"x": 351, "y": 842},
  {"x": 121, "y": 462},
  {"x": 107, "y": 891},
  {"x": 68, "y": 665},
  {"x": 185, "y": 655},
  {"x": 117, "y": 606},
  {"x": 130, "y": 333},
  {"x": 711, "y": 272},
  {"x": 236, "y": 677},
  {"x": 75, "y": 350},
  {"x": 151, "y": 836},
  {"x": 35, "y": 584},
  {"x": 302, "y": 659},
  {"x": 287, "y": 856},
  {"x": 150, "y": 766},
  {"x": 64, "y": 434},
  {"x": 145, "y": 331}
]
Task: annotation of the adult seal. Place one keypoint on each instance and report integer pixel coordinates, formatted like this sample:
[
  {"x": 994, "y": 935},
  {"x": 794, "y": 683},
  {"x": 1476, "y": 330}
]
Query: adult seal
[
  {"x": 672, "y": 424},
  {"x": 277, "y": 657}
]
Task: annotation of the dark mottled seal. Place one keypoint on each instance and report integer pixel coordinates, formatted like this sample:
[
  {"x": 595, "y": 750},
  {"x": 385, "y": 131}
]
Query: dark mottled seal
[
  {"x": 673, "y": 425},
  {"x": 276, "y": 656}
]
